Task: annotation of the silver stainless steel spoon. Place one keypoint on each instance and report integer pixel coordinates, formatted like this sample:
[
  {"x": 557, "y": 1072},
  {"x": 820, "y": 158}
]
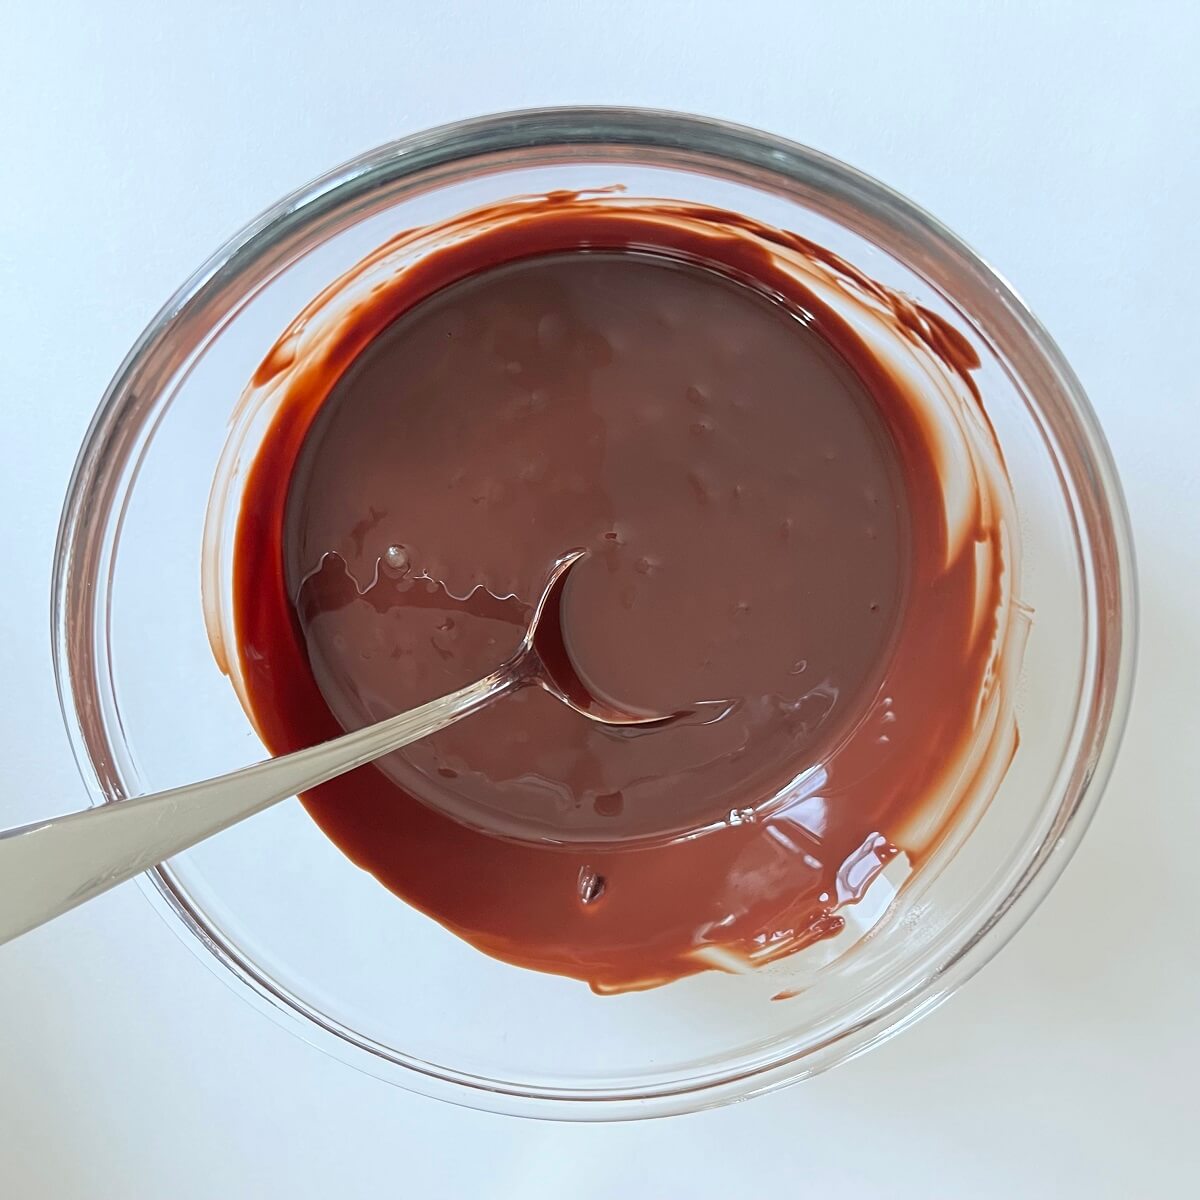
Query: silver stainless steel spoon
[{"x": 50, "y": 867}]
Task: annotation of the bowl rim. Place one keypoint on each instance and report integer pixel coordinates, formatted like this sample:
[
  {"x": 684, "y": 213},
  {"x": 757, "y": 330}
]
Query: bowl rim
[{"x": 623, "y": 130}]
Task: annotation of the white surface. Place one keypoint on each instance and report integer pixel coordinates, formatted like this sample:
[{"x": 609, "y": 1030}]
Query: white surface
[{"x": 1059, "y": 139}]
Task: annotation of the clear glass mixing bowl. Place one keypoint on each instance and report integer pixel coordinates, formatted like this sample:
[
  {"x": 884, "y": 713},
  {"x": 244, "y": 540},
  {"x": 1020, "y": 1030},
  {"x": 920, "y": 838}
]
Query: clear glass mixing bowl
[{"x": 274, "y": 906}]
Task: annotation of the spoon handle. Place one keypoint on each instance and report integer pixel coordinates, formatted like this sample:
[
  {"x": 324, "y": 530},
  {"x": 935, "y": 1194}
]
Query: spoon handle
[{"x": 51, "y": 866}]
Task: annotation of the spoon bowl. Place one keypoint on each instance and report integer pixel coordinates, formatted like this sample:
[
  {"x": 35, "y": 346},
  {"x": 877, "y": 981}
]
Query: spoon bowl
[{"x": 545, "y": 649}]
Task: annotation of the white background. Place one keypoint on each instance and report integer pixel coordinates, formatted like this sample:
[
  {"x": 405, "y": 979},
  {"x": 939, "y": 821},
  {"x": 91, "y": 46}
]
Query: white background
[{"x": 1059, "y": 138}]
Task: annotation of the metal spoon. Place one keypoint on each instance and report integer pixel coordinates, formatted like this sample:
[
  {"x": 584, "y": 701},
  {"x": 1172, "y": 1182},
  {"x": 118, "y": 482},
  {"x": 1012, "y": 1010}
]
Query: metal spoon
[{"x": 51, "y": 866}]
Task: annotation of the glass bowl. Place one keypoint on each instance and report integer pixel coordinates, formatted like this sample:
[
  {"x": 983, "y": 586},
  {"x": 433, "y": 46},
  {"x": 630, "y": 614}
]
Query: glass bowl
[{"x": 291, "y": 923}]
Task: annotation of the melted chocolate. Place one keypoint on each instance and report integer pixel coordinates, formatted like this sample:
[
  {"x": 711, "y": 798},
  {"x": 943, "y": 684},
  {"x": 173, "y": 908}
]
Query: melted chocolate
[{"x": 768, "y": 546}]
